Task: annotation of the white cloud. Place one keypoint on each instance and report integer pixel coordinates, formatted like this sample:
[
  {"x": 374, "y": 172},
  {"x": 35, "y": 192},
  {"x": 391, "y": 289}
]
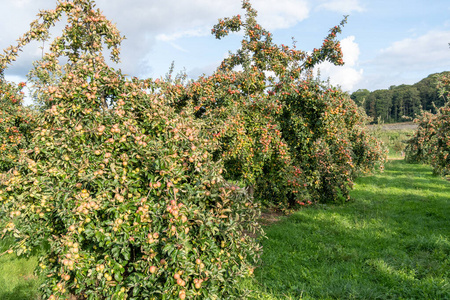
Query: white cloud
[
  {"x": 412, "y": 54},
  {"x": 272, "y": 14},
  {"x": 350, "y": 51},
  {"x": 145, "y": 23},
  {"x": 348, "y": 75},
  {"x": 345, "y": 77},
  {"x": 407, "y": 61},
  {"x": 203, "y": 70},
  {"x": 195, "y": 32},
  {"x": 207, "y": 69},
  {"x": 15, "y": 78},
  {"x": 280, "y": 14},
  {"x": 342, "y": 6}
]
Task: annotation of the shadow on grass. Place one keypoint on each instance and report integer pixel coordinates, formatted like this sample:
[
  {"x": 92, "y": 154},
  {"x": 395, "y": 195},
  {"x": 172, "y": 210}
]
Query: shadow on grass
[
  {"x": 26, "y": 290},
  {"x": 391, "y": 242}
]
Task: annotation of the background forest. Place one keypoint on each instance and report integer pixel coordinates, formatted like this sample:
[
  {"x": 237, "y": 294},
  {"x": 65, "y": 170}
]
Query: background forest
[{"x": 401, "y": 103}]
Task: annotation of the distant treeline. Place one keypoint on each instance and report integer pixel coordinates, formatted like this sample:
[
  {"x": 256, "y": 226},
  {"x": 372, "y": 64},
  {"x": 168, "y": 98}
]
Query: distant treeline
[{"x": 400, "y": 103}]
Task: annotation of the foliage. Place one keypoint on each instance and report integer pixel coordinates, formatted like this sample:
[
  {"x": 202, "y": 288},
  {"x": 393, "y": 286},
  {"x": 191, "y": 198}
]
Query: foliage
[
  {"x": 16, "y": 123},
  {"x": 418, "y": 147},
  {"x": 401, "y": 103},
  {"x": 120, "y": 190},
  {"x": 280, "y": 132},
  {"x": 431, "y": 142},
  {"x": 443, "y": 85},
  {"x": 384, "y": 244},
  {"x": 322, "y": 129}
]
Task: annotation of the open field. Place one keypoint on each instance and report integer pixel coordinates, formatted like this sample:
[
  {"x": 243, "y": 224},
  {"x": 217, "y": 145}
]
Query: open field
[
  {"x": 394, "y": 136},
  {"x": 408, "y": 126}
]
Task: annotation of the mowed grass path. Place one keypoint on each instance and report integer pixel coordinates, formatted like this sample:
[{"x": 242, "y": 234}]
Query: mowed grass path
[
  {"x": 17, "y": 281},
  {"x": 392, "y": 241}
]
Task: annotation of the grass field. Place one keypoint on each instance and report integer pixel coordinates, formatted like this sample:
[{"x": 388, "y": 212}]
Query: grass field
[
  {"x": 390, "y": 242},
  {"x": 394, "y": 137},
  {"x": 17, "y": 281}
]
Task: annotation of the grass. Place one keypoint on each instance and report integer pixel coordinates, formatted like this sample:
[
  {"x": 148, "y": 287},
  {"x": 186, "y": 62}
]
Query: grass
[
  {"x": 391, "y": 242},
  {"x": 17, "y": 281},
  {"x": 393, "y": 139}
]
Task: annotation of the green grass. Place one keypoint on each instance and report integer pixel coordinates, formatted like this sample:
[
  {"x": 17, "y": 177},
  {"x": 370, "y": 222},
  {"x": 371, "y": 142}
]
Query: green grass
[
  {"x": 391, "y": 242},
  {"x": 394, "y": 140},
  {"x": 17, "y": 281}
]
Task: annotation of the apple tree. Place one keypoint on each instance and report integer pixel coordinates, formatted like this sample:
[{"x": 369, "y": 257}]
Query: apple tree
[
  {"x": 281, "y": 133},
  {"x": 119, "y": 189}
]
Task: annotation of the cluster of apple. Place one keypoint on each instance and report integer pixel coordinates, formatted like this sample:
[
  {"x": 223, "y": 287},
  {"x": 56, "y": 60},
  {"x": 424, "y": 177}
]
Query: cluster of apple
[
  {"x": 271, "y": 118},
  {"x": 15, "y": 123},
  {"x": 136, "y": 187},
  {"x": 121, "y": 188}
]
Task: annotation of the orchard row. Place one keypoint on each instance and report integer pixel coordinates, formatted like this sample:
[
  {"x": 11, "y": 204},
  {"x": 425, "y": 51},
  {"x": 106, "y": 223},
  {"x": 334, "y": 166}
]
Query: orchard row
[
  {"x": 150, "y": 189},
  {"x": 431, "y": 142}
]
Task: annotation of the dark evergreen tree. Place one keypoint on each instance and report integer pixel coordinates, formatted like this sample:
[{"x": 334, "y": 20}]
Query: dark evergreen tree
[
  {"x": 360, "y": 96},
  {"x": 401, "y": 103}
]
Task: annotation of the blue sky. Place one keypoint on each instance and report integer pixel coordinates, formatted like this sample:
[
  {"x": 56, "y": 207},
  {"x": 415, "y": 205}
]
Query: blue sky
[{"x": 385, "y": 42}]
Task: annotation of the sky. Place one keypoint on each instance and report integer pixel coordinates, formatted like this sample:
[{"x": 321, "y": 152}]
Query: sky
[{"x": 384, "y": 43}]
